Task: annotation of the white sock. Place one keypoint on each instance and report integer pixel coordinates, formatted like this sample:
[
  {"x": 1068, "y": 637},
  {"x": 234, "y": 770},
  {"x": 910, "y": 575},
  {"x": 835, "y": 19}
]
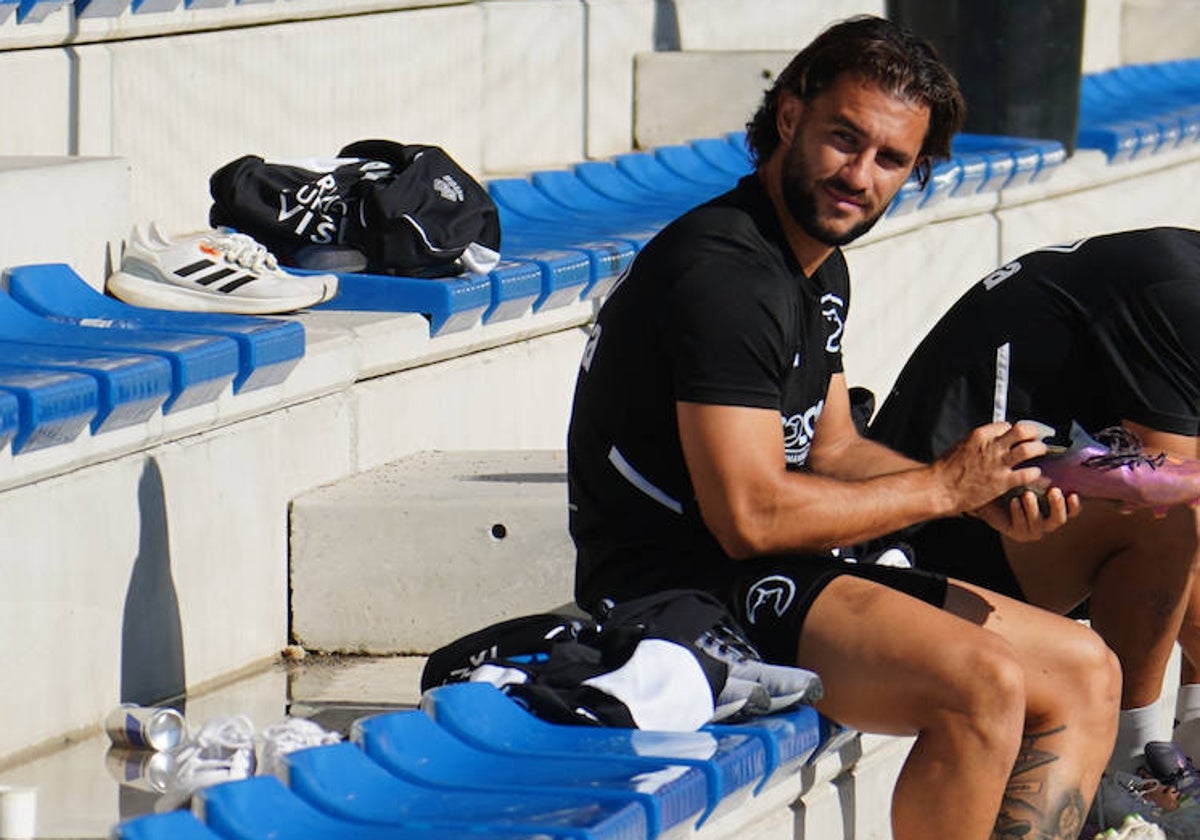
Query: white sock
[
  {"x": 1134, "y": 728},
  {"x": 1187, "y": 717}
]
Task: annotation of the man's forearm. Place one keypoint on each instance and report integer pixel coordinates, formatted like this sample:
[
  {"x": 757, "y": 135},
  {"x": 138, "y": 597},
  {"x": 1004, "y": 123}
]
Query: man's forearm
[{"x": 859, "y": 458}]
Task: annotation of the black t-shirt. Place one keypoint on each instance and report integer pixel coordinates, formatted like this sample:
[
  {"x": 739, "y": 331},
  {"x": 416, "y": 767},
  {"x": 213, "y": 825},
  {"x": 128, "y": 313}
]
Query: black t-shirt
[
  {"x": 715, "y": 310},
  {"x": 1098, "y": 331}
]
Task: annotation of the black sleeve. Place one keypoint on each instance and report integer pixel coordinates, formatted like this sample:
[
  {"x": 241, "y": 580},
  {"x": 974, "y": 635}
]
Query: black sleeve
[{"x": 728, "y": 332}]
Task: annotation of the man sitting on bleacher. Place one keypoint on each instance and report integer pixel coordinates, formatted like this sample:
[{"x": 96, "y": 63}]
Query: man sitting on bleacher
[
  {"x": 712, "y": 446},
  {"x": 1102, "y": 333}
]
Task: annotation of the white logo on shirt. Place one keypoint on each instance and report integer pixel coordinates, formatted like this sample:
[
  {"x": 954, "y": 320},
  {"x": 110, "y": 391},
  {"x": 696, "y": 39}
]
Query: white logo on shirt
[
  {"x": 833, "y": 307},
  {"x": 798, "y": 434}
]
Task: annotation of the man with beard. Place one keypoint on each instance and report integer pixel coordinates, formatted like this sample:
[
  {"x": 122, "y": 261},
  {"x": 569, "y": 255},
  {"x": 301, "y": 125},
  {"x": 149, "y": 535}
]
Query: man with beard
[{"x": 712, "y": 447}]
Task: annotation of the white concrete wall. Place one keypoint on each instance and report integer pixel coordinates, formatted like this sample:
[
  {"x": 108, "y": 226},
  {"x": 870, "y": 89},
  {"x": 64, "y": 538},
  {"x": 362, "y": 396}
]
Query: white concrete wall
[{"x": 1159, "y": 30}]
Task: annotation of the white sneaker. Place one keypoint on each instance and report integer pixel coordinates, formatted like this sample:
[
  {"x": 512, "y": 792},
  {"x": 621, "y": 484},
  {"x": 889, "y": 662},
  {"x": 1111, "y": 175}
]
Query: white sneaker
[
  {"x": 1134, "y": 828},
  {"x": 222, "y": 751},
  {"x": 216, "y": 271},
  {"x": 293, "y": 734},
  {"x": 1122, "y": 795}
]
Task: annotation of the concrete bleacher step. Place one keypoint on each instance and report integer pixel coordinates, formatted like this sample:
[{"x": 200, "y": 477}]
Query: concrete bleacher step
[
  {"x": 74, "y": 210},
  {"x": 413, "y": 554}
]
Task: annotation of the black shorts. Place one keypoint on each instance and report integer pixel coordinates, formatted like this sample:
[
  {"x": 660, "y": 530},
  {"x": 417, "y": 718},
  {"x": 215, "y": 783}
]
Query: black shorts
[
  {"x": 770, "y": 598},
  {"x": 965, "y": 549}
]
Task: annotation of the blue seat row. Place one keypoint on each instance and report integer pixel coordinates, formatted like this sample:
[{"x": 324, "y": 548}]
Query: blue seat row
[
  {"x": 74, "y": 358},
  {"x": 982, "y": 163},
  {"x": 473, "y": 763},
  {"x": 1140, "y": 109},
  {"x": 35, "y": 11},
  {"x": 568, "y": 234}
]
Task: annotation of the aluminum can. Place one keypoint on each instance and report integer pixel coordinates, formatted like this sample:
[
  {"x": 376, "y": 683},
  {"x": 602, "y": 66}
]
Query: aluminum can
[
  {"x": 148, "y": 770},
  {"x": 144, "y": 727}
]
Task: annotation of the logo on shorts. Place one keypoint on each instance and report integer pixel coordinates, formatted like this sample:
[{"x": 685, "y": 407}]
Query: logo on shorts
[{"x": 776, "y": 591}]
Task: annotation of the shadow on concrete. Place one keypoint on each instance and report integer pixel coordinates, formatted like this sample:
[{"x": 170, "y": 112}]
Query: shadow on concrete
[
  {"x": 152, "y": 666},
  {"x": 666, "y": 26}
]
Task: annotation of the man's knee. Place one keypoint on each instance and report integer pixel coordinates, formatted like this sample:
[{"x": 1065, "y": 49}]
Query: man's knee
[
  {"x": 989, "y": 693},
  {"x": 1089, "y": 679}
]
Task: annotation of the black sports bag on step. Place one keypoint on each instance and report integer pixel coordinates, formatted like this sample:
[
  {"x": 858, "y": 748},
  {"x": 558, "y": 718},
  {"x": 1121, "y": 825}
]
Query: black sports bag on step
[{"x": 403, "y": 209}]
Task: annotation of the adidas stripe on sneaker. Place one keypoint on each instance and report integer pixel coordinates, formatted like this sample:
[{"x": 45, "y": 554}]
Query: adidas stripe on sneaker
[{"x": 215, "y": 271}]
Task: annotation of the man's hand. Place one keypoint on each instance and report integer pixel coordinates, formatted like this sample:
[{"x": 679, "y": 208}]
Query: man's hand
[
  {"x": 1029, "y": 516},
  {"x": 984, "y": 465}
]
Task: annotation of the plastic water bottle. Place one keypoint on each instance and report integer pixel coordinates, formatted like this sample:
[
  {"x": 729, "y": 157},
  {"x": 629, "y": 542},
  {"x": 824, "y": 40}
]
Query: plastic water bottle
[{"x": 145, "y": 728}]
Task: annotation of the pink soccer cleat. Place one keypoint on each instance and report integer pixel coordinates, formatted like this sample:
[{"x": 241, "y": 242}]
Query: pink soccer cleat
[{"x": 1113, "y": 465}]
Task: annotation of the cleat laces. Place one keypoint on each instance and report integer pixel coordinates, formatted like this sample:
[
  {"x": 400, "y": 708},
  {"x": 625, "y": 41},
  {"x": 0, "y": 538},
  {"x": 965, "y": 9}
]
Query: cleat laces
[{"x": 1124, "y": 450}]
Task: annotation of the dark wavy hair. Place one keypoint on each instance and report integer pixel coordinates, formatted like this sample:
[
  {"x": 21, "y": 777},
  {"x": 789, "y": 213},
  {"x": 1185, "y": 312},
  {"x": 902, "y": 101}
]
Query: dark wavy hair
[{"x": 879, "y": 51}]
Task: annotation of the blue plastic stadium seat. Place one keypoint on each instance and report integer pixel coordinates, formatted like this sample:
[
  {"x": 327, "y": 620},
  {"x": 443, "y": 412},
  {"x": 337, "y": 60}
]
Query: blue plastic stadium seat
[
  {"x": 201, "y": 366},
  {"x": 606, "y": 178},
  {"x": 268, "y": 349},
  {"x": 524, "y": 209},
  {"x": 907, "y": 199},
  {"x": 1136, "y": 110},
  {"x": 342, "y": 781},
  {"x": 790, "y": 739},
  {"x": 132, "y": 387},
  {"x": 573, "y": 268},
  {"x": 481, "y": 715},
  {"x": 152, "y": 6},
  {"x": 648, "y": 170},
  {"x": 413, "y": 746},
  {"x": 567, "y": 275},
  {"x": 1011, "y": 161},
  {"x": 572, "y": 192},
  {"x": 40, "y": 408},
  {"x": 36, "y": 11},
  {"x": 173, "y": 825},
  {"x": 515, "y": 286},
  {"x": 686, "y": 161},
  {"x": 724, "y": 155},
  {"x": 99, "y": 8},
  {"x": 10, "y": 417},
  {"x": 974, "y": 169},
  {"x": 450, "y": 303},
  {"x": 261, "y": 808}
]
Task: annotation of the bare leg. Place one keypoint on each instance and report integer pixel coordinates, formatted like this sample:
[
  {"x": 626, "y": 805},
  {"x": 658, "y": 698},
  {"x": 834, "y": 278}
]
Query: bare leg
[
  {"x": 1014, "y": 709},
  {"x": 1138, "y": 569}
]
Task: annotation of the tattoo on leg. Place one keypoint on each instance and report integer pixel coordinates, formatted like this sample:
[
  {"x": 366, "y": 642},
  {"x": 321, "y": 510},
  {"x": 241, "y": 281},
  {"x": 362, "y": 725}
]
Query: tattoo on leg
[{"x": 1061, "y": 821}]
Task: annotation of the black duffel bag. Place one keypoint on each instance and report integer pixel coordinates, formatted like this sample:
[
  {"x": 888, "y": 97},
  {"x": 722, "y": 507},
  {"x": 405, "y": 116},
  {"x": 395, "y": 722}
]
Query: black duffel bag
[{"x": 380, "y": 207}]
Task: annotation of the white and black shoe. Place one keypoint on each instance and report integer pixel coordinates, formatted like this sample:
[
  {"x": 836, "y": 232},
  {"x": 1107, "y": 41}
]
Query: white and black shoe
[{"x": 214, "y": 271}]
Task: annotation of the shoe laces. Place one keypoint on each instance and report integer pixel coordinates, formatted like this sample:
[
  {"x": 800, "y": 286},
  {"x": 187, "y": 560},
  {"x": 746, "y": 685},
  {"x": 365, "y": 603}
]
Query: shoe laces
[
  {"x": 245, "y": 251},
  {"x": 1124, "y": 450},
  {"x": 723, "y": 642}
]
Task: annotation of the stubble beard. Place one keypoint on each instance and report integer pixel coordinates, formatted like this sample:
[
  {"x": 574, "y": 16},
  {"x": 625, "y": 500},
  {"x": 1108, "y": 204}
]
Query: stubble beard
[{"x": 801, "y": 201}]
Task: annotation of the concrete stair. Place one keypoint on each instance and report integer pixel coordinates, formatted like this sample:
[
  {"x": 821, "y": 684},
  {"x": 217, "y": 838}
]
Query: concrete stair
[{"x": 408, "y": 556}]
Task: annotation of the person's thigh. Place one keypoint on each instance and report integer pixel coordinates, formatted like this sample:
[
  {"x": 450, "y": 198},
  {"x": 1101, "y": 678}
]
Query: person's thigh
[
  {"x": 1061, "y": 569},
  {"x": 892, "y": 663}
]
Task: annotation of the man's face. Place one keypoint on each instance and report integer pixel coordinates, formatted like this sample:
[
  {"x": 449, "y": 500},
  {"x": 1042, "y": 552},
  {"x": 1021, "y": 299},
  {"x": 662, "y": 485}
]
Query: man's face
[{"x": 851, "y": 148}]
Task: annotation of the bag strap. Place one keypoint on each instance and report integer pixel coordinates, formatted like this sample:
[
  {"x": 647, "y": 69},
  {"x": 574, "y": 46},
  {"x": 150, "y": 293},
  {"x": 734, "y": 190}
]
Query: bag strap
[{"x": 388, "y": 151}]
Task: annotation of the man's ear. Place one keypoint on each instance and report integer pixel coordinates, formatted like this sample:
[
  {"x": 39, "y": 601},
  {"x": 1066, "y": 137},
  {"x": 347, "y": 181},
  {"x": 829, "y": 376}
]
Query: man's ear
[{"x": 788, "y": 110}]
